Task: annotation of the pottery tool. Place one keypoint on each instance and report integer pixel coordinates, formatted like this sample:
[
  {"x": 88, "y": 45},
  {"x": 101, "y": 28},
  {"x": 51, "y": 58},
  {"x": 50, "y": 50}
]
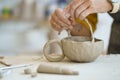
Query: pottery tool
[
  {"x": 3, "y": 63},
  {"x": 51, "y": 69},
  {"x": 7, "y": 70},
  {"x": 14, "y": 67}
]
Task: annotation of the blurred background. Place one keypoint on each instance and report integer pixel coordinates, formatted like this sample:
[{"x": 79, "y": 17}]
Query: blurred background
[{"x": 25, "y": 28}]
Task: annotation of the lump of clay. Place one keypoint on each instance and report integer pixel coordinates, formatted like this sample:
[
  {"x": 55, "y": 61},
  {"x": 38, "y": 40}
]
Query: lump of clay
[
  {"x": 34, "y": 74},
  {"x": 47, "y": 68},
  {"x": 27, "y": 71}
]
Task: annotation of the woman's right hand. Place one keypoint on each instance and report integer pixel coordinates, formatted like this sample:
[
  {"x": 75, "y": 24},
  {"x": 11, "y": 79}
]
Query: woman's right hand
[{"x": 59, "y": 20}]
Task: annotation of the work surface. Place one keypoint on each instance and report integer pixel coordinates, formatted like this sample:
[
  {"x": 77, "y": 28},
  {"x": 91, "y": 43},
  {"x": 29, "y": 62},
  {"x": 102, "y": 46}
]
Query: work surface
[{"x": 106, "y": 67}]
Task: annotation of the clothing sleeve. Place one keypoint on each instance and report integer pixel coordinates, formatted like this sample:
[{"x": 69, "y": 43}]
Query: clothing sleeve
[{"x": 116, "y": 16}]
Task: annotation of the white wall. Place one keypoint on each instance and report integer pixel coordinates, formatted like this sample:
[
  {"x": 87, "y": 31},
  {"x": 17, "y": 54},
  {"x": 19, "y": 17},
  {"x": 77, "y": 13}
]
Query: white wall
[
  {"x": 20, "y": 37},
  {"x": 104, "y": 29}
]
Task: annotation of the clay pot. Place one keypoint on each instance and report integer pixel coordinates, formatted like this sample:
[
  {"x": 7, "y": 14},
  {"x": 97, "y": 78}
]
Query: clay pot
[{"x": 76, "y": 48}]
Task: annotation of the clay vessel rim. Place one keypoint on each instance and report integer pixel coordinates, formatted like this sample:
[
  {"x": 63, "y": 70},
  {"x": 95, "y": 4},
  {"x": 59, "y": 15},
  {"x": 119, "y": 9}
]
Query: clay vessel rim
[{"x": 87, "y": 39}]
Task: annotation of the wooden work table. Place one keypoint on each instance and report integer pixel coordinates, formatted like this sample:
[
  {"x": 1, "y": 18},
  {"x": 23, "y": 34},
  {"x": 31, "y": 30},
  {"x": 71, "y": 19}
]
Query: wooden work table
[{"x": 106, "y": 67}]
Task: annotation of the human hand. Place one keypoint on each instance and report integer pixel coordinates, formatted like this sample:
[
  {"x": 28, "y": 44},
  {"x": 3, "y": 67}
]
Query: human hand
[
  {"x": 82, "y": 8},
  {"x": 59, "y": 19}
]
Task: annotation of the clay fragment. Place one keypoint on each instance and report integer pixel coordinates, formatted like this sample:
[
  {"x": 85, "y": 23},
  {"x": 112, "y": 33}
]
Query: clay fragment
[
  {"x": 27, "y": 71},
  {"x": 33, "y": 74},
  {"x": 1, "y": 57}
]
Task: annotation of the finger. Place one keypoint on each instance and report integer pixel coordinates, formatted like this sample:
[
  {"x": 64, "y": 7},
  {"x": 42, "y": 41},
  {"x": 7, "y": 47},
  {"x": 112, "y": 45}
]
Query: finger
[
  {"x": 66, "y": 12},
  {"x": 55, "y": 26},
  {"x": 67, "y": 9},
  {"x": 74, "y": 5},
  {"x": 85, "y": 13},
  {"x": 61, "y": 16},
  {"x": 81, "y": 8},
  {"x": 59, "y": 22}
]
